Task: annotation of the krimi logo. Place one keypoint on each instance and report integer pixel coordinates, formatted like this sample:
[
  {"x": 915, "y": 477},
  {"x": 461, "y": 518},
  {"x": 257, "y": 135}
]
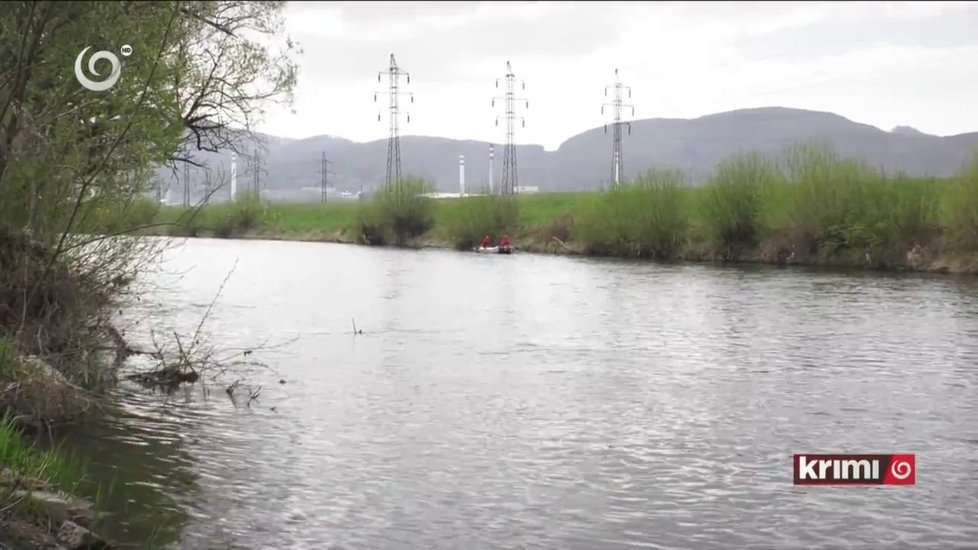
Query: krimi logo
[{"x": 889, "y": 469}]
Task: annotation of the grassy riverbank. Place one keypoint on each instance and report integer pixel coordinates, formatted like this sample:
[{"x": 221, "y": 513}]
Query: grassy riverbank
[
  {"x": 37, "y": 508},
  {"x": 810, "y": 207}
]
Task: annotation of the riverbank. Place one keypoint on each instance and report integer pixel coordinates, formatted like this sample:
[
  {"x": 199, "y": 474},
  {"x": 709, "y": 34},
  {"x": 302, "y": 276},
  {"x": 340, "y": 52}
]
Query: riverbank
[
  {"x": 828, "y": 212},
  {"x": 920, "y": 259},
  {"x": 38, "y": 506}
]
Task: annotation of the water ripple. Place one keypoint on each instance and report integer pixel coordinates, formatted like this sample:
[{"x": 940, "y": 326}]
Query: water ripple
[{"x": 544, "y": 402}]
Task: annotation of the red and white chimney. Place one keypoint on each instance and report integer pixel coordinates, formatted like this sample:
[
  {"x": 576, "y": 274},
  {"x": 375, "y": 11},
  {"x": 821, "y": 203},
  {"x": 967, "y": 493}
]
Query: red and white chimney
[{"x": 492, "y": 156}]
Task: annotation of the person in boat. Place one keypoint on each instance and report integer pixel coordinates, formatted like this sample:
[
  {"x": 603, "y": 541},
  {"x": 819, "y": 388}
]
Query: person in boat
[
  {"x": 505, "y": 242},
  {"x": 486, "y": 241}
]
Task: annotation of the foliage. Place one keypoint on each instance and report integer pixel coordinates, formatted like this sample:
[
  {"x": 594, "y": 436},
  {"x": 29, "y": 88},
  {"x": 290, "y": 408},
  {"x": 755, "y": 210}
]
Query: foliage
[
  {"x": 243, "y": 214},
  {"x": 75, "y": 165},
  {"x": 398, "y": 212},
  {"x": 964, "y": 206},
  {"x": 645, "y": 218},
  {"x": 837, "y": 205},
  {"x": 733, "y": 199}
]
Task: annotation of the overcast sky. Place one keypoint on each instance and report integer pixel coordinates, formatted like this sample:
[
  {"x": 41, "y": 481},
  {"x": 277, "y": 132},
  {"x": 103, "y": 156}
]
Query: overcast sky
[{"x": 881, "y": 63}]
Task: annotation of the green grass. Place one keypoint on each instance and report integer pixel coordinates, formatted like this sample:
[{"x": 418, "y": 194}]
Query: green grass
[
  {"x": 236, "y": 219},
  {"x": 810, "y": 200},
  {"x": 311, "y": 219},
  {"x": 541, "y": 210},
  {"x": 49, "y": 466}
]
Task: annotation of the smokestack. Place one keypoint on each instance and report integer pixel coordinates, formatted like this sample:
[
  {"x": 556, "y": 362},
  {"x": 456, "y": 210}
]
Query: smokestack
[
  {"x": 234, "y": 175},
  {"x": 491, "y": 157},
  {"x": 617, "y": 167},
  {"x": 461, "y": 175}
]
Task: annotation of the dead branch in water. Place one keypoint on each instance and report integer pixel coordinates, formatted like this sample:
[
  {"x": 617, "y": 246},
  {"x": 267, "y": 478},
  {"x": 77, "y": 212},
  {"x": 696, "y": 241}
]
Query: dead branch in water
[
  {"x": 122, "y": 348},
  {"x": 190, "y": 359},
  {"x": 253, "y": 395}
]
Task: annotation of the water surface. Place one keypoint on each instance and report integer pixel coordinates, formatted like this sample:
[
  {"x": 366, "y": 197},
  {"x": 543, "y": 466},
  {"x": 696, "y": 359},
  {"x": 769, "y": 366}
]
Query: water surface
[{"x": 542, "y": 402}]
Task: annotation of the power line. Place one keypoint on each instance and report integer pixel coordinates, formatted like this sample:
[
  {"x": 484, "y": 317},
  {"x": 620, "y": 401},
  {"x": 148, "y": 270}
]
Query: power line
[
  {"x": 510, "y": 183},
  {"x": 394, "y": 74},
  {"x": 617, "y": 104},
  {"x": 324, "y": 175}
]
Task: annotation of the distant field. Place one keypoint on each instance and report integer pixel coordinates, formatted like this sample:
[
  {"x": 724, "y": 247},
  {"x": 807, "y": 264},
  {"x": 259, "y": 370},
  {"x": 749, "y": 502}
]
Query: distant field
[{"x": 317, "y": 219}]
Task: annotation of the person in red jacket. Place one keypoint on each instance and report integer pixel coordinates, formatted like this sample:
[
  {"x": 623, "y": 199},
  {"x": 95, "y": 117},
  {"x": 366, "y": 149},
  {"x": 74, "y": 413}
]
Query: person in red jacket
[
  {"x": 504, "y": 242},
  {"x": 486, "y": 241}
]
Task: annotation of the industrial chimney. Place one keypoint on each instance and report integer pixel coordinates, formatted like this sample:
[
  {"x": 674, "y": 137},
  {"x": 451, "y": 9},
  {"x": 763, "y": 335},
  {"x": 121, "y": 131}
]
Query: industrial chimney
[{"x": 461, "y": 175}]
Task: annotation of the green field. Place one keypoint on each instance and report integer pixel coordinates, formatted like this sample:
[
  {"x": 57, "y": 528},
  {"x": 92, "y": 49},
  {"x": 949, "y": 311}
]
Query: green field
[{"x": 809, "y": 207}]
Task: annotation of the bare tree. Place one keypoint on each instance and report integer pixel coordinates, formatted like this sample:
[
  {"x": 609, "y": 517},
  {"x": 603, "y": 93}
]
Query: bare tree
[{"x": 221, "y": 100}]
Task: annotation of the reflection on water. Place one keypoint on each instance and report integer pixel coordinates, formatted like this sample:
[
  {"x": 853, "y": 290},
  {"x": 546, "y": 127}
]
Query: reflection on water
[
  {"x": 539, "y": 402},
  {"x": 138, "y": 468}
]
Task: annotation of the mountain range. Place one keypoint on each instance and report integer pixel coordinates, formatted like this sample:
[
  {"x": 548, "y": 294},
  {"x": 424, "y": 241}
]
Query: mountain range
[{"x": 583, "y": 162}]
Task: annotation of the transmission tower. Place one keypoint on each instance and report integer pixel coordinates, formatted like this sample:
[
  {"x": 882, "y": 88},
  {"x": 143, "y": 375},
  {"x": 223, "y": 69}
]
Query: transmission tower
[
  {"x": 324, "y": 174},
  {"x": 257, "y": 165},
  {"x": 394, "y": 74},
  {"x": 186, "y": 184},
  {"x": 617, "y": 172},
  {"x": 510, "y": 183}
]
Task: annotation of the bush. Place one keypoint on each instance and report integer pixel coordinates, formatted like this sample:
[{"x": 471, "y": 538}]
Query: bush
[
  {"x": 246, "y": 211},
  {"x": 397, "y": 213},
  {"x": 900, "y": 211},
  {"x": 118, "y": 216},
  {"x": 838, "y": 205},
  {"x": 964, "y": 207},
  {"x": 733, "y": 200},
  {"x": 642, "y": 219},
  {"x": 243, "y": 214},
  {"x": 467, "y": 220},
  {"x": 56, "y": 306},
  {"x": 827, "y": 197},
  {"x": 141, "y": 211}
]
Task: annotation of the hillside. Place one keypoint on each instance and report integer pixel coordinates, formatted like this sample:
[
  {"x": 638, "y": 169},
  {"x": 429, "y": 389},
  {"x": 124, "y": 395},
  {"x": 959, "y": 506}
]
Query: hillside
[{"x": 583, "y": 161}]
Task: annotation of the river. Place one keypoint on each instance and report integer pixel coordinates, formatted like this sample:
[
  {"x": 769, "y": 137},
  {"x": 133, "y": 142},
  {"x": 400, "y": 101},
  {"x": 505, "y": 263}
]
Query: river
[{"x": 533, "y": 401}]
